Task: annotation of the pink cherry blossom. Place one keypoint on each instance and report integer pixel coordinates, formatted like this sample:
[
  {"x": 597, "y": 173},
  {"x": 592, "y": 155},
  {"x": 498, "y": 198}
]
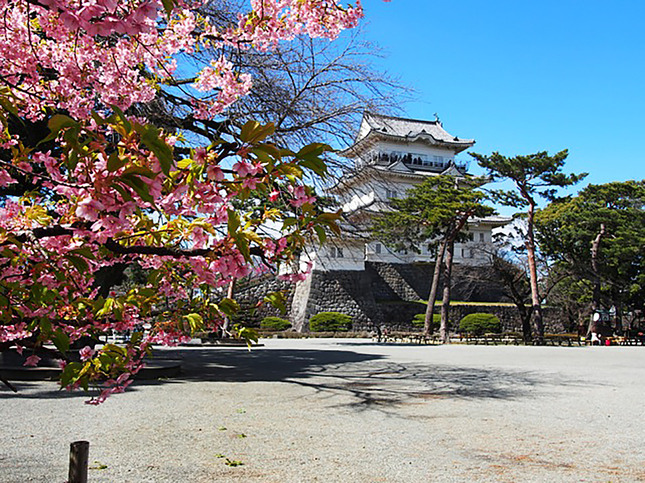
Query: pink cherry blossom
[
  {"x": 32, "y": 360},
  {"x": 86, "y": 353}
]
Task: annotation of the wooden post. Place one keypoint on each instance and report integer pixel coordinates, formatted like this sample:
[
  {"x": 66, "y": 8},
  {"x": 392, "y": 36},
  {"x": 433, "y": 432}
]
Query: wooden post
[{"x": 78, "y": 457}]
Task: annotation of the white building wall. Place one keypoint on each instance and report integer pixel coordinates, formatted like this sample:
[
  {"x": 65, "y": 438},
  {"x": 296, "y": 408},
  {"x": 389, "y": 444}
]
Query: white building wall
[
  {"x": 335, "y": 255},
  {"x": 384, "y": 188}
]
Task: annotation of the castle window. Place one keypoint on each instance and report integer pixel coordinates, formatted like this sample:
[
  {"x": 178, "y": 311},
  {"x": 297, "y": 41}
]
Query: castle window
[
  {"x": 336, "y": 252},
  {"x": 482, "y": 238},
  {"x": 471, "y": 236},
  {"x": 391, "y": 193},
  {"x": 377, "y": 248}
]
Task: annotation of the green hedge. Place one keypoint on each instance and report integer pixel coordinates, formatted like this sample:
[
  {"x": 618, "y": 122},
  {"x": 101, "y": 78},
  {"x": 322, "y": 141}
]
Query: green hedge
[
  {"x": 275, "y": 323},
  {"x": 480, "y": 324},
  {"x": 419, "y": 321},
  {"x": 330, "y": 322}
]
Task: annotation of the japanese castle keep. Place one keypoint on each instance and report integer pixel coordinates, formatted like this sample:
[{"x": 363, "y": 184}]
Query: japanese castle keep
[{"x": 360, "y": 276}]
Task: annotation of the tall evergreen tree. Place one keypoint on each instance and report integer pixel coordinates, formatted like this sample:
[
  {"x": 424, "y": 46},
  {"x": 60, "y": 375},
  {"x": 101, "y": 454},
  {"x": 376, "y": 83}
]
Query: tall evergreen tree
[
  {"x": 433, "y": 212},
  {"x": 534, "y": 176}
]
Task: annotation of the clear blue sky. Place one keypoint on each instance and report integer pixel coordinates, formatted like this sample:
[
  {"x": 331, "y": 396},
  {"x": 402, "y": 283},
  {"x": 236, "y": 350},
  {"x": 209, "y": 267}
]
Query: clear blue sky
[{"x": 525, "y": 76}]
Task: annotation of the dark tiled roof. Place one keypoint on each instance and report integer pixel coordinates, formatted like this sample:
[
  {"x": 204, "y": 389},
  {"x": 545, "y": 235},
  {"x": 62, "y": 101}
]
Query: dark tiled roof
[{"x": 407, "y": 128}]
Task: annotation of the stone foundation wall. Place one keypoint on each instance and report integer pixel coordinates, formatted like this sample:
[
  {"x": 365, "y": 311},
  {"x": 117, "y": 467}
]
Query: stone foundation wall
[
  {"x": 346, "y": 292},
  {"x": 249, "y": 293},
  {"x": 411, "y": 282},
  {"x": 383, "y": 294}
]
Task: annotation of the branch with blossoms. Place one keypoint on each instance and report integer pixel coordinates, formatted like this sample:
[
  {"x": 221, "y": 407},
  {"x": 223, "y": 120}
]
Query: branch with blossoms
[
  {"x": 108, "y": 51},
  {"x": 88, "y": 187},
  {"x": 134, "y": 201}
]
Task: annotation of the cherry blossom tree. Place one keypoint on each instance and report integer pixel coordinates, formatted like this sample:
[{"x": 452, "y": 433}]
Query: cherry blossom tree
[{"x": 87, "y": 184}]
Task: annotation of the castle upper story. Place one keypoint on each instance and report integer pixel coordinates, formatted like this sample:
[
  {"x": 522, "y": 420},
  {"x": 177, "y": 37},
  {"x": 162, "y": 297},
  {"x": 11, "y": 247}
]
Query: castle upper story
[
  {"x": 391, "y": 155},
  {"x": 417, "y": 146}
]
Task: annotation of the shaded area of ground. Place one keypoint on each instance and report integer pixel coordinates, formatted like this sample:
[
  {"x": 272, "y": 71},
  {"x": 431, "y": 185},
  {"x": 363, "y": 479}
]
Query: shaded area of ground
[
  {"x": 341, "y": 410},
  {"x": 372, "y": 379}
]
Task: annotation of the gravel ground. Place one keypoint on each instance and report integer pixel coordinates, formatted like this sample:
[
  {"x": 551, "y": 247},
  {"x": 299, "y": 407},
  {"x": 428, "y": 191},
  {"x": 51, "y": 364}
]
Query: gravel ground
[{"x": 348, "y": 411}]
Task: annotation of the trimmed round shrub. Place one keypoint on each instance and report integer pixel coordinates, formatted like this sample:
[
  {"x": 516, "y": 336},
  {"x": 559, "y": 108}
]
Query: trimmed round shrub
[
  {"x": 480, "y": 324},
  {"x": 330, "y": 322},
  {"x": 275, "y": 323},
  {"x": 420, "y": 319}
]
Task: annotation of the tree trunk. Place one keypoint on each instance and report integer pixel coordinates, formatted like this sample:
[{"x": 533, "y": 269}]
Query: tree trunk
[
  {"x": 525, "y": 316},
  {"x": 533, "y": 278},
  {"x": 447, "y": 282},
  {"x": 434, "y": 287},
  {"x": 595, "y": 300},
  {"x": 229, "y": 293},
  {"x": 446, "y": 251}
]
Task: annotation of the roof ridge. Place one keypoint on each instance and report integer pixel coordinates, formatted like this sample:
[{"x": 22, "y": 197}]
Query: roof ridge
[{"x": 424, "y": 121}]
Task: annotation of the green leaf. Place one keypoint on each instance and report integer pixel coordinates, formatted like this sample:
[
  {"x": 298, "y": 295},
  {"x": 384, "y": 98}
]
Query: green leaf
[
  {"x": 45, "y": 327},
  {"x": 195, "y": 321},
  {"x": 184, "y": 163},
  {"x": 247, "y": 130},
  {"x": 60, "y": 121},
  {"x": 242, "y": 244},
  {"x": 124, "y": 120},
  {"x": 233, "y": 222},
  {"x": 310, "y": 157},
  {"x": 97, "y": 118},
  {"x": 85, "y": 252},
  {"x": 70, "y": 373},
  {"x": 278, "y": 300},
  {"x": 320, "y": 231},
  {"x": 253, "y": 131},
  {"x": 138, "y": 185},
  {"x": 150, "y": 137},
  {"x": 114, "y": 162},
  {"x": 8, "y": 106},
  {"x": 125, "y": 194},
  {"x": 316, "y": 165},
  {"x": 135, "y": 338},
  {"x": 72, "y": 160},
  {"x": 56, "y": 124},
  {"x": 80, "y": 264},
  {"x": 246, "y": 333},
  {"x": 140, "y": 171},
  {"x": 229, "y": 306},
  {"x": 168, "y": 6},
  {"x": 61, "y": 340},
  {"x": 313, "y": 149},
  {"x": 106, "y": 309}
]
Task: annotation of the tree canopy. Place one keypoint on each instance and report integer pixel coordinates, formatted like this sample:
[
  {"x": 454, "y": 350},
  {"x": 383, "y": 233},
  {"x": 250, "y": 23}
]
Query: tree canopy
[
  {"x": 598, "y": 239},
  {"x": 88, "y": 184}
]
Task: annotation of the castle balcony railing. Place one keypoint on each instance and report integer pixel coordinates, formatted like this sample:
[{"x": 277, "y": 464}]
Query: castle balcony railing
[{"x": 417, "y": 162}]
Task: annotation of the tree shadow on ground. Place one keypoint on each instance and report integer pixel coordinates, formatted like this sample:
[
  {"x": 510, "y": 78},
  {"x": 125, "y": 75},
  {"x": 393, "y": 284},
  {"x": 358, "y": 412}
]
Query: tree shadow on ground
[{"x": 373, "y": 381}]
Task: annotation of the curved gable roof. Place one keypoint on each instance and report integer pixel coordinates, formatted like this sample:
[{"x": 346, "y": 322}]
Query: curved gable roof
[{"x": 375, "y": 127}]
